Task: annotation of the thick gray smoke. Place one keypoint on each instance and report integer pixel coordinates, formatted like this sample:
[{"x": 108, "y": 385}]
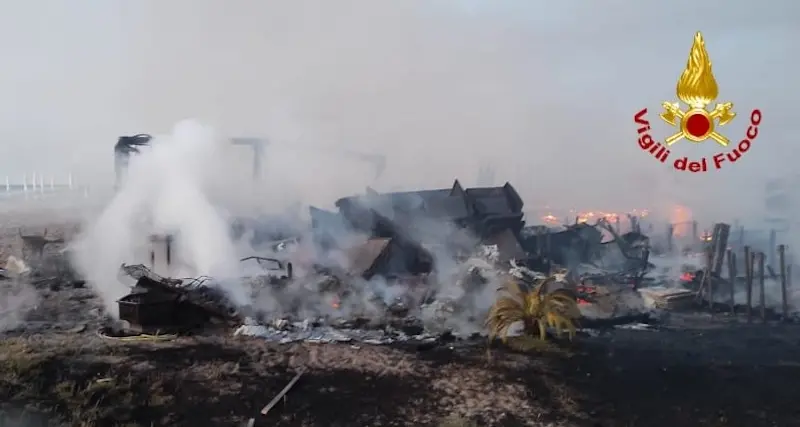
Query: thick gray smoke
[
  {"x": 441, "y": 88},
  {"x": 543, "y": 92},
  {"x": 165, "y": 192}
]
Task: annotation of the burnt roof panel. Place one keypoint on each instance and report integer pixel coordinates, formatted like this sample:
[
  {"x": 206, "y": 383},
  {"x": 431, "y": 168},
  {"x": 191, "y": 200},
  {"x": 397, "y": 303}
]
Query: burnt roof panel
[
  {"x": 486, "y": 192},
  {"x": 507, "y": 192},
  {"x": 493, "y": 206},
  {"x": 507, "y": 244},
  {"x": 361, "y": 258},
  {"x": 451, "y": 207}
]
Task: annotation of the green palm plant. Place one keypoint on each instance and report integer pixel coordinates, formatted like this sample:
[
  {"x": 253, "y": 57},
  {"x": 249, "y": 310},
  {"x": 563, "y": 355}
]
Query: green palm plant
[{"x": 537, "y": 310}]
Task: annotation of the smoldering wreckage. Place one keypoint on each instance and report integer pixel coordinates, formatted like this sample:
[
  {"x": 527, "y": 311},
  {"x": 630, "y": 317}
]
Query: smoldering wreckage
[
  {"x": 387, "y": 285},
  {"x": 427, "y": 266}
]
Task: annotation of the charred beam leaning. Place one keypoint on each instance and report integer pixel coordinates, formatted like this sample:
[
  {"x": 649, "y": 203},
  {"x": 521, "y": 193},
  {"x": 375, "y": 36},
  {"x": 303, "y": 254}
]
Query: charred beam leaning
[{"x": 719, "y": 243}]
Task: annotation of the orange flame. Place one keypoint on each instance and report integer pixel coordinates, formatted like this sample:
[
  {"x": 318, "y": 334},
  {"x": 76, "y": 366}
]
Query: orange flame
[
  {"x": 593, "y": 215},
  {"x": 680, "y": 217}
]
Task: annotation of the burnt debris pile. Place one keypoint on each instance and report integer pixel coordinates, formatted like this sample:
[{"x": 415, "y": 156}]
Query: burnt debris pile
[
  {"x": 406, "y": 229},
  {"x": 160, "y": 304},
  {"x": 392, "y": 266}
]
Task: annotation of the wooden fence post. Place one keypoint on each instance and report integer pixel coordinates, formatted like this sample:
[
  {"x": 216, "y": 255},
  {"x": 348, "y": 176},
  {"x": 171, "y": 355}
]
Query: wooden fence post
[
  {"x": 719, "y": 243},
  {"x": 784, "y": 296},
  {"x": 670, "y": 233},
  {"x": 748, "y": 272},
  {"x": 773, "y": 244},
  {"x": 732, "y": 278},
  {"x": 761, "y": 294},
  {"x": 709, "y": 279}
]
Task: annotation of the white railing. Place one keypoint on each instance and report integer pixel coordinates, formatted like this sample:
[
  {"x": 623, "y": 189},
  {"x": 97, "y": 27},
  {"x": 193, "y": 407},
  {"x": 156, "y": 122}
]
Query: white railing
[{"x": 35, "y": 183}]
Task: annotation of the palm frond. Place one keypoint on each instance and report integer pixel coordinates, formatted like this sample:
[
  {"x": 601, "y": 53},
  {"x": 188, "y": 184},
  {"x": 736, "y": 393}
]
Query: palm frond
[{"x": 537, "y": 309}]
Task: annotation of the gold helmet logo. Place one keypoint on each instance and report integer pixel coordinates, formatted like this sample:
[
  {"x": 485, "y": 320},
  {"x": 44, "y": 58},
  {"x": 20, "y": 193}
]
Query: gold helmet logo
[{"x": 697, "y": 88}]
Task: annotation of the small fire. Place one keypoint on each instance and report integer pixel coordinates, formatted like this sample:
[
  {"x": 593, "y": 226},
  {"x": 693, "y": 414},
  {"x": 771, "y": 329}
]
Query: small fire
[
  {"x": 586, "y": 290},
  {"x": 593, "y": 215},
  {"x": 550, "y": 219},
  {"x": 687, "y": 277},
  {"x": 335, "y": 302},
  {"x": 681, "y": 218}
]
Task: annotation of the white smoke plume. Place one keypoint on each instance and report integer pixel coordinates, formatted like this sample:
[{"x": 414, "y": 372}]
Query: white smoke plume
[{"x": 165, "y": 192}]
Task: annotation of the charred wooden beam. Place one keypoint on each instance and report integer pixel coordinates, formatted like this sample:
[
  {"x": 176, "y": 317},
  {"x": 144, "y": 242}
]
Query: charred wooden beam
[{"x": 719, "y": 244}]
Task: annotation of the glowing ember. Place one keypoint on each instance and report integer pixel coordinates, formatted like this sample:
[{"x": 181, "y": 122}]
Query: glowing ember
[
  {"x": 550, "y": 219},
  {"x": 681, "y": 218},
  {"x": 687, "y": 277},
  {"x": 593, "y": 215}
]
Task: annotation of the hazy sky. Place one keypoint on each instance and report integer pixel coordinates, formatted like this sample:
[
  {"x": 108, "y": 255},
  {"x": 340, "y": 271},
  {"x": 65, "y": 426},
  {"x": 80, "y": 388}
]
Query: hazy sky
[{"x": 543, "y": 91}]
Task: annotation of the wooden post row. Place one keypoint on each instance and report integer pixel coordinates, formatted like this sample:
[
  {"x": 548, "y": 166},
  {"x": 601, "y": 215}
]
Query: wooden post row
[{"x": 748, "y": 273}]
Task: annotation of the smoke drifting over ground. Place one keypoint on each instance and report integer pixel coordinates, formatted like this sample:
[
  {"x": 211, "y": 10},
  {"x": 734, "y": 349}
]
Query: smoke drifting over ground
[{"x": 17, "y": 299}]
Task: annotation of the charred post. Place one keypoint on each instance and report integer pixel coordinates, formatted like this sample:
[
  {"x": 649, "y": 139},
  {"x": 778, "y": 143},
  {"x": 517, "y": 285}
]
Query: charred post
[
  {"x": 762, "y": 303},
  {"x": 784, "y": 298},
  {"x": 670, "y": 234},
  {"x": 156, "y": 241},
  {"x": 773, "y": 243},
  {"x": 719, "y": 243},
  {"x": 741, "y": 235},
  {"x": 748, "y": 274},
  {"x": 695, "y": 236},
  {"x": 708, "y": 278},
  {"x": 168, "y": 241},
  {"x": 732, "y": 278}
]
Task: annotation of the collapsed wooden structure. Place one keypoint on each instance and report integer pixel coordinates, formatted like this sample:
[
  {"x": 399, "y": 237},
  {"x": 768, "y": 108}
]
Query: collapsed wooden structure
[
  {"x": 404, "y": 228},
  {"x": 163, "y": 304}
]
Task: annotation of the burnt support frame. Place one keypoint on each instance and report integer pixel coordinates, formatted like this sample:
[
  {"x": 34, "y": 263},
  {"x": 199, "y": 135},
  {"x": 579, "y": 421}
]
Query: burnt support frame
[
  {"x": 127, "y": 145},
  {"x": 257, "y": 144}
]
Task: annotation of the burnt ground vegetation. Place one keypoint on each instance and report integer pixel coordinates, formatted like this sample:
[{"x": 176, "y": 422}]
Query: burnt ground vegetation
[{"x": 719, "y": 375}]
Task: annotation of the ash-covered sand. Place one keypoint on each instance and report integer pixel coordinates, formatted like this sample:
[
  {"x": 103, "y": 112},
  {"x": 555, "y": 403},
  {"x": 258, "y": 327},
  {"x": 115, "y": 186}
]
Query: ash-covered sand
[{"x": 56, "y": 371}]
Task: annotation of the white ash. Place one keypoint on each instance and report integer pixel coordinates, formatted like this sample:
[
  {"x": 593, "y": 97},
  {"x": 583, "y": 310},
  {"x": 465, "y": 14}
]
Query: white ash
[
  {"x": 283, "y": 331},
  {"x": 490, "y": 253},
  {"x": 524, "y": 273}
]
